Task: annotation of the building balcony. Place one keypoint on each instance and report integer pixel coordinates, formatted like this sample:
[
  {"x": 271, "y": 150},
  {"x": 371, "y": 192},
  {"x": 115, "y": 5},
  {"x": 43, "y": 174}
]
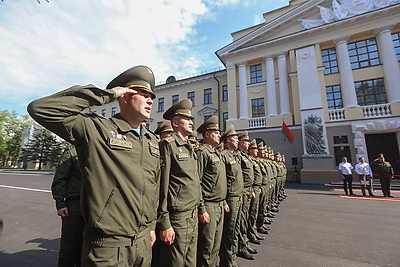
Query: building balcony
[{"x": 372, "y": 111}]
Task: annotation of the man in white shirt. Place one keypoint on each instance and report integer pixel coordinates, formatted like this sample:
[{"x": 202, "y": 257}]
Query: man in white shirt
[
  {"x": 364, "y": 172},
  {"x": 345, "y": 169}
]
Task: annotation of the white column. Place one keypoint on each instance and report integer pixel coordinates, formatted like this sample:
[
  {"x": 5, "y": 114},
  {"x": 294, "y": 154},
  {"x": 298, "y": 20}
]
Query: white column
[
  {"x": 244, "y": 110},
  {"x": 231, "y": 77},
  {"x": 283, "y": 85},
  {"x": 346, "y": 75},
  {"x": 271, "y": 89},
  {"x": 390, "y": 65}
]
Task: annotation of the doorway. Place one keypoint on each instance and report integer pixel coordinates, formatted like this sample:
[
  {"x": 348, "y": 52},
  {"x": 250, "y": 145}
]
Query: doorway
[{"x": 385, "y": 144}]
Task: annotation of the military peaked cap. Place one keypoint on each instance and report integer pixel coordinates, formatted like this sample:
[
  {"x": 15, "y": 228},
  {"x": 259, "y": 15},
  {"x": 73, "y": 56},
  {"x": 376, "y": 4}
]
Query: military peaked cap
[
  {"x": 210, "y": 124},
  {"x": 139, "y": 77},
  {"x": 230, "y": 131},
  {"x": 164, "y": 127},
  {"x": 253, "y": 144},
  {"x": 183, "y": 108},
  {"x": 261, "y": 146},
  {"x": 244, "y": 136}
]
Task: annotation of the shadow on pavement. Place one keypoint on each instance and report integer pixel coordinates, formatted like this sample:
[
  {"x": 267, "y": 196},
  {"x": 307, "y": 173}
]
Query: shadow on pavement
[{"x": 47, "y": 256}]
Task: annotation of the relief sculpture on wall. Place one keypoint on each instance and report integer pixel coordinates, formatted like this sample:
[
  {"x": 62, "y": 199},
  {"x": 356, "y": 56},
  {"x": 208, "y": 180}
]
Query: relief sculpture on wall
[{"x": 313, "y": 135}]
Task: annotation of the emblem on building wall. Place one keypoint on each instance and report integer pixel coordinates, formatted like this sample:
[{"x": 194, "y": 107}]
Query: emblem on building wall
[
  {"x": 342, "y": 9},
  {"x": 313, "y": 135}
]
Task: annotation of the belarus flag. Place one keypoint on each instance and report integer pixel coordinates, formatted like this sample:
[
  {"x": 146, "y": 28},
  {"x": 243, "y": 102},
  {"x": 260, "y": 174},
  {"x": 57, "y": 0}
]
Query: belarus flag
[{"x": 287, "y": 133}]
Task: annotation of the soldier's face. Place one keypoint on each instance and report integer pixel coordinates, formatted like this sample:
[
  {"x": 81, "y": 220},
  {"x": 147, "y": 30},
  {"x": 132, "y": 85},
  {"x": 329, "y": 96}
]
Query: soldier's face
[
  {"x": 213, "y": 137},
  {"x": 244, "y": 145},
  {"x": 140, "y": 104},
  {"x": 184, "y": 125},
  {"x": 234, "y": 141},
  {"x": 253, "y": 152}
]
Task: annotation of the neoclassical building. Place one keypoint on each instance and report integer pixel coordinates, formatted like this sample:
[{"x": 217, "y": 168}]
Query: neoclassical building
[{"x": 328, "y": 69}]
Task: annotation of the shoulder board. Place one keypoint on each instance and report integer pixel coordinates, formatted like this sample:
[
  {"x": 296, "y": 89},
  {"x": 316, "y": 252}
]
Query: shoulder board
[
  {"x": 224, "y": 152},
  {"x": 200, "y": 148},
  {"x": 169, "y": 139}
]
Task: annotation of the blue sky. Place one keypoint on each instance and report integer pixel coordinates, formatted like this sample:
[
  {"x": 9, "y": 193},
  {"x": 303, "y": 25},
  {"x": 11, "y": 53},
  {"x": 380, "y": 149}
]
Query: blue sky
[{"x": 51, "y": 46}]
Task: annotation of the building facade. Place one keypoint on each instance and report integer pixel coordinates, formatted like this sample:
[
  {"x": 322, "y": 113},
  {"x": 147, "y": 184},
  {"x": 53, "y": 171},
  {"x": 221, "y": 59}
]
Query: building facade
[{"x": 328, "y": 69}]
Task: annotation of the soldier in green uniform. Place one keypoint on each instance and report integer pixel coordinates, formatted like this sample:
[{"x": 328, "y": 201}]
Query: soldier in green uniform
[
  {"x": 179, "y": 189},
  {"x": 264, "y": 189},
  {"x": 235, "y": 186},
  {"x": 244, "y": 250},
  {"x": 164, "y": 129},
  {"x": 385, "y": 174},
  {"x": 214, "y": 188},
  {"x": 120, "y": 164},
  {"x": 66, "y": 191},
  {"x": 255, "y": 201}
]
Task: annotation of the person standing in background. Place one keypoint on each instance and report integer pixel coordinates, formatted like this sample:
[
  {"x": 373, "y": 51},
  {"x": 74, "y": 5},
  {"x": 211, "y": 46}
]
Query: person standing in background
[
  {"x": 345, "y": 169},
  {"x": 364, "y": 172},
  {"x": 385, "y": 173},
  {"x": 66, "y": 191}
]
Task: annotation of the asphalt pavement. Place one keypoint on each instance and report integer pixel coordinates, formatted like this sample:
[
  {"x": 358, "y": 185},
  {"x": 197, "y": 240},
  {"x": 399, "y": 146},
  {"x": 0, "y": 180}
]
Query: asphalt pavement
[{"x": 314, "y": 227}]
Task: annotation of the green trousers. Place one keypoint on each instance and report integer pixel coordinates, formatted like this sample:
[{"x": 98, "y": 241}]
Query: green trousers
[
  {"x": 135, "y": 255},
  {"x": 210, "y": 235},
  {"x": 229, "y": 245},
  {"x": 253, "y": 214},
  {"x": 243, "y": 242}
]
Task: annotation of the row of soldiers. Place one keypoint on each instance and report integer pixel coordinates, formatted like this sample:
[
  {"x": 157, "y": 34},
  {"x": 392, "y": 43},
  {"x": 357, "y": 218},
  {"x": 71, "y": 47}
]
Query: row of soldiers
[
  {"x": 134, "y": 186},
  {"x": 218, "y": 195}
]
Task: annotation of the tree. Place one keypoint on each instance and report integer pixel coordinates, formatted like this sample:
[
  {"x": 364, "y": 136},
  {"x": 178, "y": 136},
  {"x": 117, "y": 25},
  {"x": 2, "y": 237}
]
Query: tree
[
  {"x": 11, "y": 128},
  {"x": 43, "y": 148}
]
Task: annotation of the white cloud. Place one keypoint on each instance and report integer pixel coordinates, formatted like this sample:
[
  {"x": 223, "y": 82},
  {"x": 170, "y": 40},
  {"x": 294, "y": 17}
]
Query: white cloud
[{"x": 46, "y": 46}]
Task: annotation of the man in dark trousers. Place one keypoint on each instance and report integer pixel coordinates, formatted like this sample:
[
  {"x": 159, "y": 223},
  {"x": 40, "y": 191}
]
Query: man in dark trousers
[{"x": 66, "y": 190}]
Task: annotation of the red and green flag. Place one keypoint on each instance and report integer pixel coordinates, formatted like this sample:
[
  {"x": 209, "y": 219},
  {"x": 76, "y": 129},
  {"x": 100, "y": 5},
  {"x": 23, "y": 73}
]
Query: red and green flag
[{"x": 287, "y": 133}]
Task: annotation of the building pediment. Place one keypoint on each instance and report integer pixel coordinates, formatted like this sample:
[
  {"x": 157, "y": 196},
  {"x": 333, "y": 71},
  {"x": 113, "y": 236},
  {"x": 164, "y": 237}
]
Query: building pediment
[{"x": 299, "y": 20}]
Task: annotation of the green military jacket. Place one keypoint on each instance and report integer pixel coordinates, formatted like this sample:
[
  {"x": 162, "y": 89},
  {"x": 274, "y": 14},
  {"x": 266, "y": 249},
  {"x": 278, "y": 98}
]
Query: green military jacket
[
  {"x": 234, "y": 176},
  {"x": 120, "y": 167},
  {"x": 264, "y": 172},
  {"x": 212, "y": 175},
  {"x": 67, "y": 181},
  {"x": 180, "y": 182},
  {"x": 258, "y": 177},
  {"x": 382, "y": 168},
  {"x": 247, "y": 169}
]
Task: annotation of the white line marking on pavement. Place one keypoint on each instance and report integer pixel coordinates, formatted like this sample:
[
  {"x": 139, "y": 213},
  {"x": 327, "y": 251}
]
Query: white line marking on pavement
[{"x": 24, "y": 188}]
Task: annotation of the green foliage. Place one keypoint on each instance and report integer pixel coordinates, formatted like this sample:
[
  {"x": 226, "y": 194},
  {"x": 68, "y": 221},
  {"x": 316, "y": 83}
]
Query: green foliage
[
  {"x": 11, "y": 129},
  {"x": 43, "y": 148}
]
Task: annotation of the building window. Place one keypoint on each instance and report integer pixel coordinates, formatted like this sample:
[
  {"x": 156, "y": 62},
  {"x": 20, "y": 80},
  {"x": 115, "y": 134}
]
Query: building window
[
  {"x": 103, "y": 112},
  {"x": 256, "y": 73},
  {"x": 257, "y": 108},
  {"x": 329, "y": 60},
  {"x": 225, "y": 93},
  {"x": 224, "y": 118},
  {"x": 371, "y": 92},
  {"x": 363, "y": 54},
  {"x": 208, "y": 96},
  {"x": 160, "y": 104},
  {"x": 175, "y": 99},
  {"x": 396, "y": 43},
  {"x": 334, "y": 97},
  {"x": 206, "y": 117},
  {"x": 191, "y": 96},
  {"x": 113, "y": 111}
]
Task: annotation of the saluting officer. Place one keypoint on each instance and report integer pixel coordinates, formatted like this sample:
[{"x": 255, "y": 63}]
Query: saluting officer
[
  {"x": 120, "y": 163},
  {"x": 385, "y": 173},
  {"x": 164, "y": 129},
  {"x": 214, "y": 186},
  {"x": 180, "y": 191},
  {"x": 234, "y": 179}
]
